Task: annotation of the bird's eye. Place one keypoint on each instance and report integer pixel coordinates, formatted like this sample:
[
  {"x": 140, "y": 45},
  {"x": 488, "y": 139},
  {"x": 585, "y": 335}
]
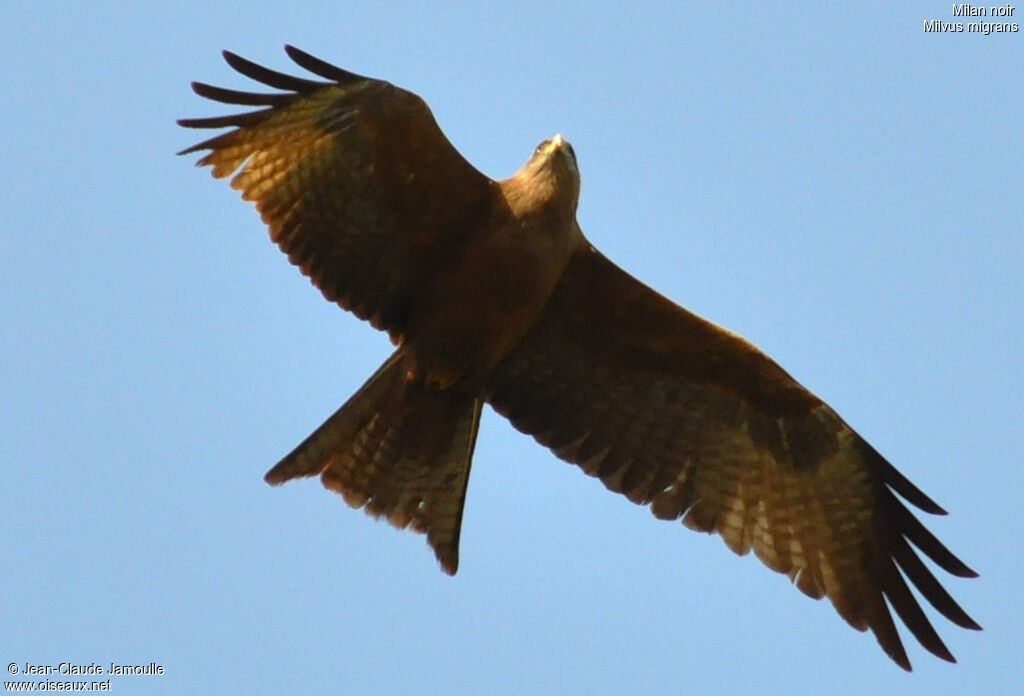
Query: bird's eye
[{"x": 541, "y": 146}]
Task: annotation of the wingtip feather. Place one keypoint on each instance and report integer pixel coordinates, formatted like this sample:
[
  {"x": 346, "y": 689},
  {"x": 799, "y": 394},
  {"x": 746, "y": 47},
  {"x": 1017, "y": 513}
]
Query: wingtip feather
[
  {"x": 320, "y": 67},
  {"x": 274, "y": 476},
  {"x": 449, "y": 565},
  {"x": 895, "y": 479}
]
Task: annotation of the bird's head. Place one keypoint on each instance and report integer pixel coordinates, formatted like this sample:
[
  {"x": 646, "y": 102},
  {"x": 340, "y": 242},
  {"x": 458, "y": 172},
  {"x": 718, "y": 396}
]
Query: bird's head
[{"x": 550, "y": 179}]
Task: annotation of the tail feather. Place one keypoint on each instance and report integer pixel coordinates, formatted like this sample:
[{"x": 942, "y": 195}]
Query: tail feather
[
  {"x": 340, "y": 430},
  {"x": 399, "y": 449}
]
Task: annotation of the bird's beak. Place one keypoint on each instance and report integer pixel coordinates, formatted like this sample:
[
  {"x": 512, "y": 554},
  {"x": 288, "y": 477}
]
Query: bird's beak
[{"x": 557, "y": 142}]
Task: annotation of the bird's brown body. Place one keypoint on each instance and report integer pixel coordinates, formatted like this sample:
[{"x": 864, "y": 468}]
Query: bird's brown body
[
  {"x": 492, "y": 294},
  {"x": 489, "y": 289}
]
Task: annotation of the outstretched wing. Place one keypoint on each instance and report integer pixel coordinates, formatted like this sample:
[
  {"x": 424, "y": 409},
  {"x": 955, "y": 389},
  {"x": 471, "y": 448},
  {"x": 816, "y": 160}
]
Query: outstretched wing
[
  {"x": 675, "y": 412},
  {"x": 355, "y": 179}
]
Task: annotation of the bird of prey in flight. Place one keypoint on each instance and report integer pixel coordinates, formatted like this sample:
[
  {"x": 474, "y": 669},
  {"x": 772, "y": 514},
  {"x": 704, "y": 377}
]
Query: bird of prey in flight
[{"x": 492, "y": 294}]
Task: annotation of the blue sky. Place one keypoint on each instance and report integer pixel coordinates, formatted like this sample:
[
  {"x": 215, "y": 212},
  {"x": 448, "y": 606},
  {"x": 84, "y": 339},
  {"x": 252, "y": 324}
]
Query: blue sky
[{"x": 833, "y": 183}]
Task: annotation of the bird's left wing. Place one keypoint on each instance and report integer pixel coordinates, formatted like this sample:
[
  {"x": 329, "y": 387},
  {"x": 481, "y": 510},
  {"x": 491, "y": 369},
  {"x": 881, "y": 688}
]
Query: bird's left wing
[
  {"x": 675, "y": 412},
  {"x": 354, "y": 177}
]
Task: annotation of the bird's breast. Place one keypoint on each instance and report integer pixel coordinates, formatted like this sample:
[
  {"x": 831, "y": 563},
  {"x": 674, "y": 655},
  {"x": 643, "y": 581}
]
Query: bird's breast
[{"x": 482, "y": 300}]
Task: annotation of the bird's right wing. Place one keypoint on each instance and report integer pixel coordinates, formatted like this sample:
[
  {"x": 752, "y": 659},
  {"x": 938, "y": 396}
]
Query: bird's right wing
[{"x": 354, "y": 177}]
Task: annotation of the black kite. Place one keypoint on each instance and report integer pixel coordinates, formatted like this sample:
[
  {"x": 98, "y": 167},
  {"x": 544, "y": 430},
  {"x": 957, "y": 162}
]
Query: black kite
[{"x": 492, "y": 294}]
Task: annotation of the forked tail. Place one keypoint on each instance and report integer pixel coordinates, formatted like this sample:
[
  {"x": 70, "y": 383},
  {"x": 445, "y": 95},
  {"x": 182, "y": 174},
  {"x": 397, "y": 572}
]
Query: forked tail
[{"x": 400, "y": 449}]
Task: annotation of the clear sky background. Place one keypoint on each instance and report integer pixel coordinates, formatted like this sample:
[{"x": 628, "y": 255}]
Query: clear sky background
[{"x": 838, "y": 186}]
